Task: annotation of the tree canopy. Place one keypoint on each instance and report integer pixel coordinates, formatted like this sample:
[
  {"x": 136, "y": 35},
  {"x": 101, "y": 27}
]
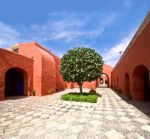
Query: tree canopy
[{"x": 81, "y": 64}]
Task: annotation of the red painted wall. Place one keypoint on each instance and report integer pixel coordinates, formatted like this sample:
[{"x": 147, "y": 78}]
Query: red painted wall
[
  {"x": 107, "y": 70},
  {"x": 46, "y": 68},
  {"x": 10, "y": 60},
  {"x": 41, "y": 66},
  {"x": 60, "y": 84},
  {"x": 136, "y": 55}
]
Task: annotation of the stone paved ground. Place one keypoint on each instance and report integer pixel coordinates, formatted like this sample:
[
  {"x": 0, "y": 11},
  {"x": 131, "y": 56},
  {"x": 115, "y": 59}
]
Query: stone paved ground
[{"x": 50, "y": 118}]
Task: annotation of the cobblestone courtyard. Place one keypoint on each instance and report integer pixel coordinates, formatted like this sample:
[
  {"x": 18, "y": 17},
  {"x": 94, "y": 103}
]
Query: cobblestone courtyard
[{"x": 50, "y": 118}]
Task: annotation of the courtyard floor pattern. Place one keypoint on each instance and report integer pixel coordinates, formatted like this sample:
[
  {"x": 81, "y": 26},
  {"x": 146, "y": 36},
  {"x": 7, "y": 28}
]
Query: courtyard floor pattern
[{"x": 49, "y": 117}]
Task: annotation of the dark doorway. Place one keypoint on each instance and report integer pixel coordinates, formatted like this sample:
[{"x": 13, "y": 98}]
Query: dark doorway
[
  {"x": 146, "y": 86},
  {"x": 141, "y": 82},
  {"x": 14, "y": 83}
]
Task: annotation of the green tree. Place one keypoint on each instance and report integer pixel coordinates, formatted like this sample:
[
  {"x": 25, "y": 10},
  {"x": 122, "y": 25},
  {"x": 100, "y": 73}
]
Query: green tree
[{"x": 81, "y": 64}]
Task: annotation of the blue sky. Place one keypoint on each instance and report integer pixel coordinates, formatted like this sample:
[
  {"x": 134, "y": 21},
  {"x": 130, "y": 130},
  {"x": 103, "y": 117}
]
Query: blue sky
[{"x": 106, "y": 26}]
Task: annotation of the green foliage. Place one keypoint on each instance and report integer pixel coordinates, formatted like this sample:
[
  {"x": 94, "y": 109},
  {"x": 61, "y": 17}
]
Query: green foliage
[
  {"x": 81, "y": 64},
  {"x": 80, "y": 97}
]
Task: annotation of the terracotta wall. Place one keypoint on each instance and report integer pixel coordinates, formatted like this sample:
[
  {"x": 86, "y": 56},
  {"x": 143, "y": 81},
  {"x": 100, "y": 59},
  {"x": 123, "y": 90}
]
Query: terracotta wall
[
  {"x": 47, "y": 78},
  {"x": 31, "y": 51},
  {"x": 60, "y": 84},
  {"x": 10, "y": 60},
  {"x": 136, "y": 59},
  {"x": 108, "y": 70}
]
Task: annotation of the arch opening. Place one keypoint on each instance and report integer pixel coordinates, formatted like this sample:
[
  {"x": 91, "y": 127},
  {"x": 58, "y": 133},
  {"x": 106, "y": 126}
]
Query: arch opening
[
  {"x": 141, "y": 83},
  {"x": 114, "y": 84},
  {"x": 104, "y": 80},
  {"x": 15, "y": 82},
  {"x": 117, "y": 83},
  {"x": 127, "y": 86}
]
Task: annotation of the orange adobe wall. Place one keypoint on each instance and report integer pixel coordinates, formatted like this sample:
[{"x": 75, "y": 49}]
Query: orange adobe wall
[
  {"x": 131, "y": 75},
  {"x": 107, "y": 70},
  {"x": 12, "y": 61},
  {"x": 34, "y": 67},
  {"x": 60, "y": 84},
  {"x": 46, "y": 68}
]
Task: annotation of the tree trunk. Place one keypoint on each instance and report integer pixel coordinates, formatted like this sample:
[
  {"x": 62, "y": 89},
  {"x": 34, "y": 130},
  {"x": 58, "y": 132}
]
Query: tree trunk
[{"x": 80, "y": 87}]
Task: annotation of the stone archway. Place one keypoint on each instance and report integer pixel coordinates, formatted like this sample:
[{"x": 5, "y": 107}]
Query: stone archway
[
  {"x": 15, "y": 82},
  {"x": 127, "y": 86},
  {"x": 114, "y": 84},
  {"x": 104, "y": 80},
  {"x": 117, "y": 83},
  {"x": 141, "y": 83}
]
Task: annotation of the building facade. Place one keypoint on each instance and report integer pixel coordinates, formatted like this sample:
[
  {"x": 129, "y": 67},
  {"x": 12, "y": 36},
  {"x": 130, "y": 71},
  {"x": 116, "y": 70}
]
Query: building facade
[
  {"x": 29, "y": 67},
  {"x": 131, "y": 75}
]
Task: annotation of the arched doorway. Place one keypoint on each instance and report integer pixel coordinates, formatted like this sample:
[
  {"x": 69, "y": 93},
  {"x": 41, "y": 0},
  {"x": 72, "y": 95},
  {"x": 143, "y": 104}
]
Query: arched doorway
[
  {"x": 141, "y": 83},
  {"x": 104, "y": 80},
  {"x": 114, "y": 84},
  {"x": 117, "y": 83},
  {"x": 15, "y": 82},
  {"x": 127, "y": 86}
]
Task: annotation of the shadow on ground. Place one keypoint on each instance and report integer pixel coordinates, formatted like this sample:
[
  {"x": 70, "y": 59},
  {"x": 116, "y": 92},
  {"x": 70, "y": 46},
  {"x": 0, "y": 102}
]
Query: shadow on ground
[
  {"x": 15, "y": 97},
  {"x": 144, "y": 107}
]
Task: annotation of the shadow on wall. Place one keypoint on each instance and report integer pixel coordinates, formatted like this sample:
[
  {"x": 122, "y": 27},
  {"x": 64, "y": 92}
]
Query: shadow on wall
[{"x": 141, "y": 83}]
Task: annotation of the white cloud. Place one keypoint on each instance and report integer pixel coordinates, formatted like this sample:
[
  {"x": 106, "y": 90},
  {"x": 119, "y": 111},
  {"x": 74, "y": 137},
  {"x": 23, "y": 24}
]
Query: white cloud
[
  {"x": 112, "y": 55},
  {"x": 7, "y": 35},
  {"x": 76, "y": 32},
  {"x": 62, "y": 27},
  {"x": 70, "y": 27}
]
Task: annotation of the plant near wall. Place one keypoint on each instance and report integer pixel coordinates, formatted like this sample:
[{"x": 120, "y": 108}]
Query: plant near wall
[
  {"x": 81, "y": 64},
  {"x": 33, "y": 92},
  {"x": 51, "y": 91}
]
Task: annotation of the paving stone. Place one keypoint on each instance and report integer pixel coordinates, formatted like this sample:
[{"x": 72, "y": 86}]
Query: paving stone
[
  {"x": 82, "y": 120},
  {"x": 97, "y": 116},
  {"x": 110, "y": 117},
  {"x": 76, "y": 129},
  {"x": 113, "y": 134},
  {"x": 2, "y": 119},
  {"x": 146, "y": 127},
  {"x": 135, "y": 136},
  {"x": 62, "y": 126},
  {"x": 5, "y": 123},
  {"x": 26, "y": 119},
  {"x": 19, "y": 117},
  {"x": 50, "y": 124},
  {"x": 52, "y": 136},
  {"x": 71, "y": 137},
  {"x": 35, "y": 120},
  {"x": 120, "y": 113},
  {"x": 49, "y": 117},
  {"x": 143, "y": 121},
  {"x": 45, "y": 116},
  {"x": 125, "y": 119},
  {"x": 95, "y": 123}
]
